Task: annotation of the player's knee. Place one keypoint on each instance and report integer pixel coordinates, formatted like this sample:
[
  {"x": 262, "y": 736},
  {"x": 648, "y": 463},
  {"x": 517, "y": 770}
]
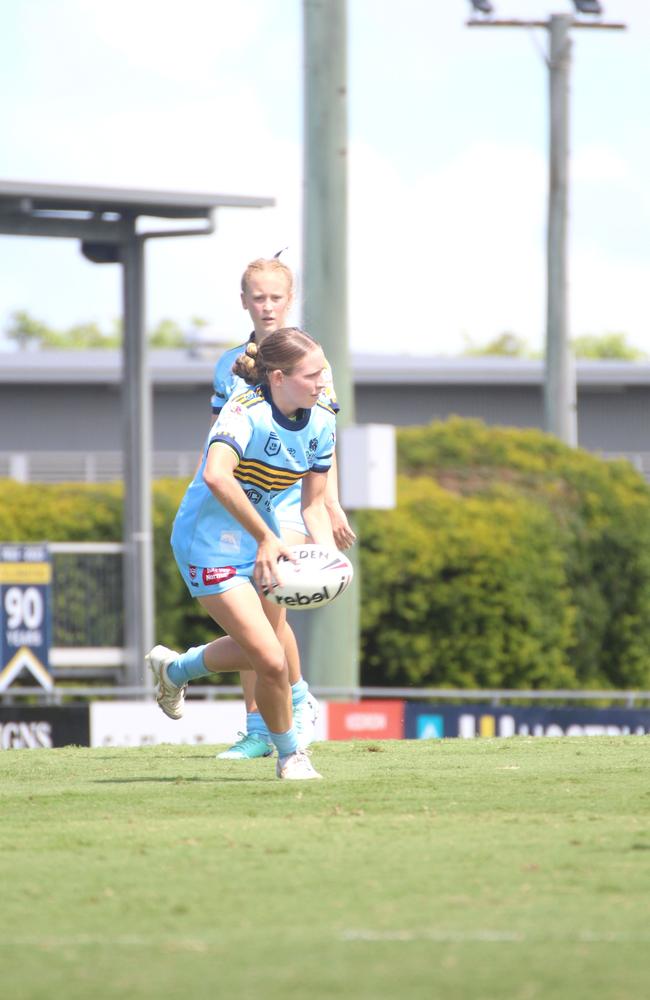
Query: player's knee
[{"x": 272, "y": 667}]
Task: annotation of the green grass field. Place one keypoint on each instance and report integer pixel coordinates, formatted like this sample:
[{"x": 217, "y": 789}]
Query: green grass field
[{"x": 514, "y": 868}]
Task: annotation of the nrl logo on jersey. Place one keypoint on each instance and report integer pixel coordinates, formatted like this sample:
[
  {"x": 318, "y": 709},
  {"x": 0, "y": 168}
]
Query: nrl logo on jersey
[
  {"x": 253, "y": 495},
  {"x": 273, "y": 444}
]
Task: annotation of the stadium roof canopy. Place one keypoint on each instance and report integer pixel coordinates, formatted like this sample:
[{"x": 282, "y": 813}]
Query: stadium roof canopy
[
  {"x": 101, "y": 213},
  {"x": 108, "y": 222},
  {"x": 194, "y": 366}
]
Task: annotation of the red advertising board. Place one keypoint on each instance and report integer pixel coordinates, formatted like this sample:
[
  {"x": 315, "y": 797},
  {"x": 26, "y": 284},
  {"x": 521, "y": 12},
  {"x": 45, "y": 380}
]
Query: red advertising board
[{"x": 366, "y": 720}]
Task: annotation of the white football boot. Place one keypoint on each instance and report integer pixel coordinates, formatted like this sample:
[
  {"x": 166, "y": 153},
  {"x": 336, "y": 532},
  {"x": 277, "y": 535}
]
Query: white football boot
[
  {"x": 170, "y": 697},
  {"x": 296, "y": 767}
]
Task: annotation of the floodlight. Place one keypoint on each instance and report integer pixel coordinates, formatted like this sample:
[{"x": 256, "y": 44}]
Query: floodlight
[
  {"x": 588, "y": 6},
  {"x": 482, "y": 6}
]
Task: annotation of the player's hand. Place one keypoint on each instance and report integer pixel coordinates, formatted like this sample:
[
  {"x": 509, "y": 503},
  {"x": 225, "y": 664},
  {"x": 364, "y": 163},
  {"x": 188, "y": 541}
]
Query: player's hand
[
  {"x": 344, "y": 536},
  {"x": 268, "y": 572}
]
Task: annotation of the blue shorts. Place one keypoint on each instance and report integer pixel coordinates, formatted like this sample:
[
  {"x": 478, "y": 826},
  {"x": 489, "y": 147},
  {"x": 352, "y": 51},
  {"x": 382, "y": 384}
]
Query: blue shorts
[{"x": 204, "y": 580}]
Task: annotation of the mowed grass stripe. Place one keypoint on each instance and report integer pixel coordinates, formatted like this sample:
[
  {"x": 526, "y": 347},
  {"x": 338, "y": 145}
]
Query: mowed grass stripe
[{"x": 483, "y": 868}]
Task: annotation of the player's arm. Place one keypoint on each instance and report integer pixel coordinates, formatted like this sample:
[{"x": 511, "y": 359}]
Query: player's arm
[
  {"x": 343, "y": 534},
  {"x": 200, "y": 459},
  {"x": 217, "y": 403},
  {"x": 314, "y": 509},
  {"x": 218, "y": 476}
]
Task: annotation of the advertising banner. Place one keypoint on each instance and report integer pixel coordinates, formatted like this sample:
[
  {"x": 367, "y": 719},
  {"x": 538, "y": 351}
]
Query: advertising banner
[
  {"x": 425, "y": 721},
  {"x": 32, "y": 728},
  {"x": 25, "y": 584},
  {"x": 366, "y": 720},
  {"x": 138, "y": 723}
]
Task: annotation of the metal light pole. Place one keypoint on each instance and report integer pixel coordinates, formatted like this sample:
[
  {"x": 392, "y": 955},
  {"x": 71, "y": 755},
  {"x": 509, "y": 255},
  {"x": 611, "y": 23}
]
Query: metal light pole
[
  {"x": 560, "y": 409},
  {"x": 137, "y": 429},
  {"x": 330, "y": 637},
  {"x": 560, "y": 403}
]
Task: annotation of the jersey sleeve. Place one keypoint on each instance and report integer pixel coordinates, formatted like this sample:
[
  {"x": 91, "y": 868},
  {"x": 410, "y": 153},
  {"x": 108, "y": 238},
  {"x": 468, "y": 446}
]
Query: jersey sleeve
[
  {"x": 328, "y": 394},
  {"x": 221, "y": 382},
  {"x": 232, "y": 427},
  {"x": 324, "y": 448}
]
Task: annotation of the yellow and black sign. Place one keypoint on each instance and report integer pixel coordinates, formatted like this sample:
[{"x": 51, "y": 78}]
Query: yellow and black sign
[{"x": 25, "y": 597}]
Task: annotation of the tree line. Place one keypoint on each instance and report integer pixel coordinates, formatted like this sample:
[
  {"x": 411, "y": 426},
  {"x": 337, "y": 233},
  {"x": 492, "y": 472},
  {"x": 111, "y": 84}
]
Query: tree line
[{"x": 29, "y": 333}]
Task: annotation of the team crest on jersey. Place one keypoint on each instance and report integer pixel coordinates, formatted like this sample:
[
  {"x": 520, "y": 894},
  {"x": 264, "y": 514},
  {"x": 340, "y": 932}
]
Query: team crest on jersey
[
  {"x": 253, "y": 495},
  {"x": 273, "y": 444}
]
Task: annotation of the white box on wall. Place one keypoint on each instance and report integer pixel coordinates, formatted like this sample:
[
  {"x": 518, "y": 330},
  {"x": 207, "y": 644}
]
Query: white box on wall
[{"x": 367, "y": 466}]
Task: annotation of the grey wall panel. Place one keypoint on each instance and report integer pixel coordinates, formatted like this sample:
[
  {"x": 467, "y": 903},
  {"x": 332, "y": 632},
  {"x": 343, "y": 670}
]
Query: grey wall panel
[
  {"x": 44, "y": 417},
  {"x": 517, "y": 406}
]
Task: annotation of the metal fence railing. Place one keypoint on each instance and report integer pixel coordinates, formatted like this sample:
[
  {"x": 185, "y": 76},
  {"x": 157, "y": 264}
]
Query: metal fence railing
[
  {"x": 89, "y": 467},
  {"x": 106, "y": 466},
  {"x": 87, "y": 611},
  {"x": 495, "y": 697}
]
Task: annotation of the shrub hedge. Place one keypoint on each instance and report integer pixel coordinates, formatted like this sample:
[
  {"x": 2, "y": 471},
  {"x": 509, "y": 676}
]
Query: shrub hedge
[
  {"x": 509, "y": 561},
  {"x": 533, "y": 561}
]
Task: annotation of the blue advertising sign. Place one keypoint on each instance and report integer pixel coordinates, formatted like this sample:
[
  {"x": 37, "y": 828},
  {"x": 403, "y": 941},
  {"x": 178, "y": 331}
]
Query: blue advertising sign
[
  {"x": 425, "y": 721},
  {"x": 25, "y": 617}
]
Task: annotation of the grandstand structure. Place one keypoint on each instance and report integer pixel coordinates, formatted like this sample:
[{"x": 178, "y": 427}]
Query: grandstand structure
[{"x": 60, "y": 412}]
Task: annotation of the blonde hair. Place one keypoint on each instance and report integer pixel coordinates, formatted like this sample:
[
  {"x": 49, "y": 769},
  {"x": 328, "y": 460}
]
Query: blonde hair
[
  {"x": 281, "y": 350},
  {"x": 273, "y": 264}
]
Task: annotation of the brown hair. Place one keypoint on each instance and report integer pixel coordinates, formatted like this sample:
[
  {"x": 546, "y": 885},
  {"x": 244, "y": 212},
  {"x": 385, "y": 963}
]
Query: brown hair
[
  {"x": 280, "y": 350},
  {"x": 274, "y": 264}
]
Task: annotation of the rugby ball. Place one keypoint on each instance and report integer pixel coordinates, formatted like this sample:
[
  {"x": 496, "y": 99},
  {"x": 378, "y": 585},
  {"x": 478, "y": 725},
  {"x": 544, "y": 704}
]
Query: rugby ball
[{"x": 318, "y": 576}]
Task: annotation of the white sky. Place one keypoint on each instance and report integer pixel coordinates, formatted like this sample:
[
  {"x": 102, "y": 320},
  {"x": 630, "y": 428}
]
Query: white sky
[{"x": 447, "y": 150}]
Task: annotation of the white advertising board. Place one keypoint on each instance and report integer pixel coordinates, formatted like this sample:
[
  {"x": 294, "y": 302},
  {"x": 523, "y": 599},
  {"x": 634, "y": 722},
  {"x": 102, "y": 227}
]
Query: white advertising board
[{"x": 138, "y": 723}]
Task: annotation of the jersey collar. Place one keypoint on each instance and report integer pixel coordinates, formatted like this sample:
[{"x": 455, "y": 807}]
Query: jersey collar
[{"x": 302, "y": 416}]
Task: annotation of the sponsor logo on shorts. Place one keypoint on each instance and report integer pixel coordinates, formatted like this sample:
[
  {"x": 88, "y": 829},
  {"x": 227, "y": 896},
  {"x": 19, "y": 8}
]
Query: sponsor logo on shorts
[
  {"x": 192, "y": 571},
  {"x": 218, "y": 574}
]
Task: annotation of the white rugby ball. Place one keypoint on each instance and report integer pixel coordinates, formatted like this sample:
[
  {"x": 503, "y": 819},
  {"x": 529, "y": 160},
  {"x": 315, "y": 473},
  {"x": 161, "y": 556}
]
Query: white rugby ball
[{"x": 317, "y": 578}]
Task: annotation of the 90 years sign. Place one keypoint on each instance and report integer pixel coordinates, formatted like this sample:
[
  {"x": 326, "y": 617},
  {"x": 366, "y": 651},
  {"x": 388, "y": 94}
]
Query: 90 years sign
[{"x": 25, "y": 586}]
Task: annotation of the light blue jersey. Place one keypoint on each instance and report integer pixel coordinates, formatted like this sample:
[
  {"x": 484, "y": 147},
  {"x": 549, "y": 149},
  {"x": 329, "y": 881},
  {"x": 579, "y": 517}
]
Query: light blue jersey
[
  {"x": 226, "y": 383},
  {"x": 274, "y": 453}
]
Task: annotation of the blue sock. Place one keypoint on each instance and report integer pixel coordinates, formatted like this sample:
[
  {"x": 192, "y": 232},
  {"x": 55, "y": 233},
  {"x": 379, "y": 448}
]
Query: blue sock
[
  {"x": 299, "y": 692},
  {"x": 188, "y": 666},
  {"x": 285, "y": 743},
  {"x": 256, "y": 724}
]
